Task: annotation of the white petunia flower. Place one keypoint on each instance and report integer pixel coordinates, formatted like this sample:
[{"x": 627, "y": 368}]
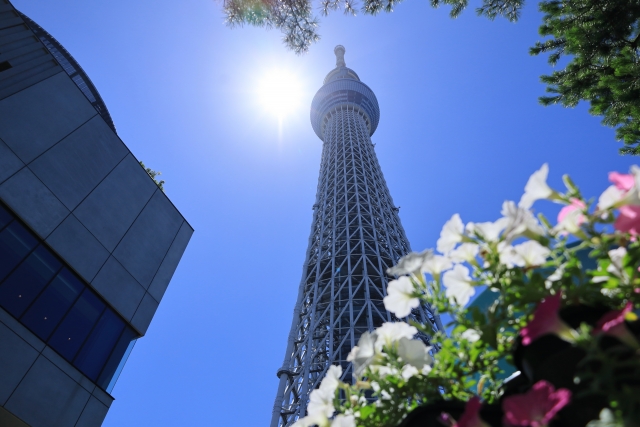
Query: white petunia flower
[
  {"x": 384, "y": 395},
  {"x": 332, "y": 379},
  {"x": 321, "y": 399},
  {"x": 400, "y": 299},
  {"x": 375, "y": 386},
  {"x": 520, "y": 221},
  {"x": 615, "y": 197},
  {"x": 459, "y": 285},
  {"x": 451, "y": 233},
  {"x": 410, "y": 263},
  {"x": 610, "y": 197},
  {"x": 536, "y": 188},
  {"x": 321, "y": 403},
  {"x": 470, "y": 335},
  {"x": 414, "y": 352},
  {"x": 489, "y": 231},
  {"x": 436, "y": 265},
  {"x": 391, "y": 332},
  {"x": 555, "y": 276},
  {"x": 466, "y": 252},
  {"x": 362, "y": 354},
  {"x": 352, "y": 354},
  {"x": 384, "y": 370},
  {"x": 532, "y": 253},
  {"x": 409, "y": 371},
  {"x": 343, "y": 421},
  {"x": 312, "y": 420},
  {"x": 607, "y": 419},
  {"x": 617, "y": 257},
  {"x": 508, "y": 255}
]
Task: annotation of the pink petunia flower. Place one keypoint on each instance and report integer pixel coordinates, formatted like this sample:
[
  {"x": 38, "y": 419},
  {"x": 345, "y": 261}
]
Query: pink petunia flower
[
  {"x": 536, "y": 407},
  {"x": 629, "y": 220},
  {"x": 570, "y": 217},
  {"x": 622, "y": 181},
  {"x": 613, "y": 324},
  {"x": 469, "y": 418},
  {"x": 576, "y": 204},
  {"x": 546, "y": 321}
]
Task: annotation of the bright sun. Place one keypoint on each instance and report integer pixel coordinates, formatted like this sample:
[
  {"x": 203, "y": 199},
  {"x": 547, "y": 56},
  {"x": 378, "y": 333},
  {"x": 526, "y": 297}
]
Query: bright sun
[{"x": 280, "y": 92}]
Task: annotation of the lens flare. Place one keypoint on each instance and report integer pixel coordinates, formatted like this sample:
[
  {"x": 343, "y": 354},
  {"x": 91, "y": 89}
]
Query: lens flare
[{"x": 280, "y": 92}]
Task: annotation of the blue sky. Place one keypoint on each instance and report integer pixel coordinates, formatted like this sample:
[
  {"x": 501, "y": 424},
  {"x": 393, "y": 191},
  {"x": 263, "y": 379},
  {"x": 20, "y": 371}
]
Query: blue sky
[{"x": 460, "y": 131}]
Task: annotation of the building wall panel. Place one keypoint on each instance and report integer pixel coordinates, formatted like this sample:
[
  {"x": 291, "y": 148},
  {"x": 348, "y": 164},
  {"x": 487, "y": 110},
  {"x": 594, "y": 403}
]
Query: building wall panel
[
  {"x": 22, "y": 361},
  {"x": 74, "y": 243},
  {"x": 111, "y": 208},
  {"x": 76, "y": 165},
  {"x": 33, "y": 202},
  {"x": 16, "y": 358},
  {"x": 36, "y": 118},
  {"x": 27, "y": 67},
  {"x": 145, "y": 245},
  {"x": 144, "y": 313},
  {"x": 93, "y": 414},
  {"x": 47, "y": 397},
  {"x": 9, "y": 162},
  {"x": 117, "y": 286},
  {"x": 170, "y": 263}
]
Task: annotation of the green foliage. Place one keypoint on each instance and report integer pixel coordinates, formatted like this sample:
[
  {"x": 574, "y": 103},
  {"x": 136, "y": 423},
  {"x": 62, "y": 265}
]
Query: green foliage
[
  {"x": 292, "y": 17},
  {"x": 153, "y": 174},
  {"x": 600, "y": 39},
  {"x": 597, "y": 273}
]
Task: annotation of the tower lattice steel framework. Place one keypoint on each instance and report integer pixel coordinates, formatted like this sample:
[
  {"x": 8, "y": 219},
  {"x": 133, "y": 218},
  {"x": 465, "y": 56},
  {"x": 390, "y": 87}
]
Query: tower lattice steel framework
[{"x": 355, "y": 236}]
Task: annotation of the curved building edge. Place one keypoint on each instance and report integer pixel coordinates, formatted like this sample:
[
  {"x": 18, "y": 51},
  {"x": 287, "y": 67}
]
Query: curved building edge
[{"x": 71, "y": 67}]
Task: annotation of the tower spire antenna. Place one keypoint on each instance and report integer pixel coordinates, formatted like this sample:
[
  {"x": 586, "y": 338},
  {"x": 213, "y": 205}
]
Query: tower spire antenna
[{"x": 339, "y": 51}]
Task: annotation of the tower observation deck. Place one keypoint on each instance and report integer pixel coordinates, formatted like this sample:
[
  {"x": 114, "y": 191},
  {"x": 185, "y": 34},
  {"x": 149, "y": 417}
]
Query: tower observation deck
[{"x": 355, "y": 236}]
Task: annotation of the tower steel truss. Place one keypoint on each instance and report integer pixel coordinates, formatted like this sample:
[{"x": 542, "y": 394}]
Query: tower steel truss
[{"x": 355, "y": 236}]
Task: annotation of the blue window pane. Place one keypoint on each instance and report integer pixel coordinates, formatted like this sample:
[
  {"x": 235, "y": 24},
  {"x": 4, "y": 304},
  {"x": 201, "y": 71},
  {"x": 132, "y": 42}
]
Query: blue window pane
[
  {"x": 98, "y": 346},
  {"x": 25, "y": 283},
  {"x": 15, "y": 243},
  {"x": 5, "y": 217},
  {"x": 77, "y": 324},
  {"x": 115, "y": 360},
  {"x": 52, "y": 304}
]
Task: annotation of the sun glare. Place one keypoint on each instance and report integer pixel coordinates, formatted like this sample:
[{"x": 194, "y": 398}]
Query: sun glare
[{"x": 280, "y": 92}]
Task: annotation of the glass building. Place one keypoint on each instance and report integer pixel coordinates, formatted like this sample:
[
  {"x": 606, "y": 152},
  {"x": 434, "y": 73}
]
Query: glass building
[
  {"x": 356, "y": 235},
  {"x": 88, "y": 242}
]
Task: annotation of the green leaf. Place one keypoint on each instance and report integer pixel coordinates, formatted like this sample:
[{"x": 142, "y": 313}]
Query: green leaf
[
  {"x": 365, "y": 411},
  {"x": 489, "y": 335}
]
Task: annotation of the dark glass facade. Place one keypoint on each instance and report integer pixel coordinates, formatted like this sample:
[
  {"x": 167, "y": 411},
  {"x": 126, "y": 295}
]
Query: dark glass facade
[{"x": 39, "y": 290}]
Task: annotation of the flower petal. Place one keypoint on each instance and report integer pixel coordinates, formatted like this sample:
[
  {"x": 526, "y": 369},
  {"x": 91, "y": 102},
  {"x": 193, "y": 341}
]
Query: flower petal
[
  {"x": 450, "y": 235},
  {"x": 536, "y": 188}
]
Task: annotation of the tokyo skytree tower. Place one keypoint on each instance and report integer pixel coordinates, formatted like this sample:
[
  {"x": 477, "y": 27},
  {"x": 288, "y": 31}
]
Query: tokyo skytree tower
[{"x": 355, "y": 236}]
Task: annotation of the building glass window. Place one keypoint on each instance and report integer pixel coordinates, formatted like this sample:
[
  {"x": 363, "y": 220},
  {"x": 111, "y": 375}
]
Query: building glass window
[
  {"x": 57, "y": 306},
  {"x": 27, "y": 281},
  {"x": 98, "y": 347},
  {"x": 15, "y": 243},
  {"x": 52, "y": 304},
  {"x": 77, "y": 325},
  {"x": 114, "y": 365}
]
